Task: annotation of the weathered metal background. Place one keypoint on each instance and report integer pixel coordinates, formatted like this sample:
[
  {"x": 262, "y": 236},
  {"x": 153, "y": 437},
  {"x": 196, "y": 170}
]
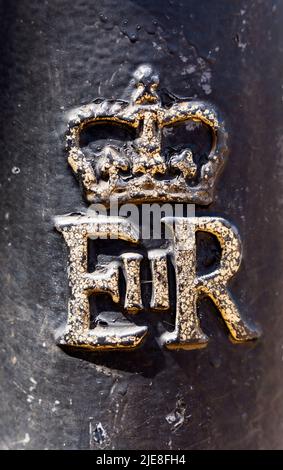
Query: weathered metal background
[{"x": 56, "y": 55}]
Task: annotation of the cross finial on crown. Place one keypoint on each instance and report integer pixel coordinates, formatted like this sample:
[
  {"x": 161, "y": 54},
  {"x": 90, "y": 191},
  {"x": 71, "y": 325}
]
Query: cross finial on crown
[{"x": 146, "y": 82}]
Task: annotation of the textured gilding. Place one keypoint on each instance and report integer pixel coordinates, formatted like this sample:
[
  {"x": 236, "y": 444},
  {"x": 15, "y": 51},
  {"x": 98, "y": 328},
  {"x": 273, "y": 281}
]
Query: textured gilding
[
  {"x": 76, "y": 231},
  {"x": 159, "y": 273},
  {"x": 150, "y": 177},
  {"x": 131, "y": 268},
  {"x": 140, "y": 173},
  {"x": 187, "y": 333}
]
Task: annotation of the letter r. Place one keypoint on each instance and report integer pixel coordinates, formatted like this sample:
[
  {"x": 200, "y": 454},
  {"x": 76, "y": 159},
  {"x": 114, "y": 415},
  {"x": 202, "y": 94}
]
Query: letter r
[{"x": 187, "y": 333}]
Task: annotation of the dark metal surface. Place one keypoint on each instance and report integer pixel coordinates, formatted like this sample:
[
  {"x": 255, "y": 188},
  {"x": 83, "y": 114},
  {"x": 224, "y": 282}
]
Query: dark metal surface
[{"x": 56, "y": 55}]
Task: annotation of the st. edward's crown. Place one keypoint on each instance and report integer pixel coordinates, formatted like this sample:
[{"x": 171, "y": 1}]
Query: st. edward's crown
[{"x": 140, "y": 171}]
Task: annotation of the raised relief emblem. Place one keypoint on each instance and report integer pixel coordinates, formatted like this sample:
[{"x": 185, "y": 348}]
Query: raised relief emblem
[{"x": 140, "y": 172}]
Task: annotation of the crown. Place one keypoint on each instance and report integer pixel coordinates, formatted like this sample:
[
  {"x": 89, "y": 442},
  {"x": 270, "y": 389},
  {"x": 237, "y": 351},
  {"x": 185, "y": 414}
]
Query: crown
[{"x": 139, "y": 172}]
